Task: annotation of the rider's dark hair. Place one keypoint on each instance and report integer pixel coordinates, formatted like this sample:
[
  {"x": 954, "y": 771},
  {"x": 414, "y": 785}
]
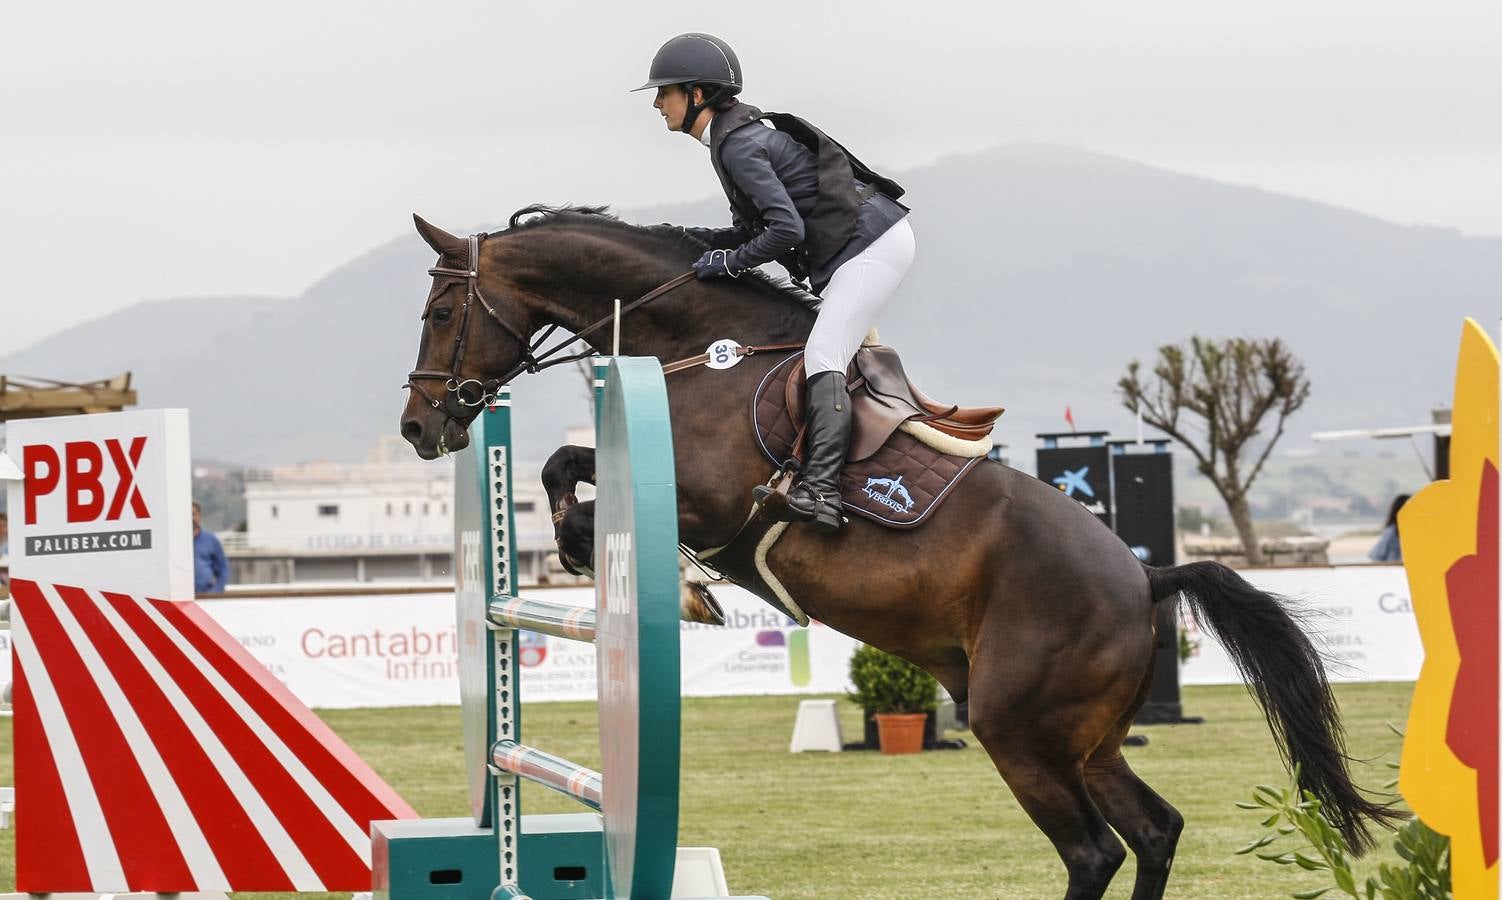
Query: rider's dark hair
[{"x": 717, "y": 96}]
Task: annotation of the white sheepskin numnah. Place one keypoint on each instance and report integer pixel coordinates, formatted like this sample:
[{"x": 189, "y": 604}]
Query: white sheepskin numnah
[{"x": 945, "y": 443}]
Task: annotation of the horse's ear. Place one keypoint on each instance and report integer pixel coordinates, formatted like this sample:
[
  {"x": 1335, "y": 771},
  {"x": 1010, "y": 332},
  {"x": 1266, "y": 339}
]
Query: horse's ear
[{"x": 446, "y": 244}]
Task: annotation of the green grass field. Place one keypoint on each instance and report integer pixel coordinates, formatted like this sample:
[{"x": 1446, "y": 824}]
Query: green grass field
[{"x": 861, "y": 825}]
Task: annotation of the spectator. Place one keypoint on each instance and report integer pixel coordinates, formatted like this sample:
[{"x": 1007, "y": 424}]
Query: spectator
[
  {"x": 210, "y": 568},
  {"x": 1388, "y": 548}
]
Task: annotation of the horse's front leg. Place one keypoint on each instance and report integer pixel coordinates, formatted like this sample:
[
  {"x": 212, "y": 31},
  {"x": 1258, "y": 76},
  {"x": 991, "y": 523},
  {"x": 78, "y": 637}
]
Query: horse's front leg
[
  {"x": 574, "y": 529},
  {"x": 562, "y": 473},
  {"x": 574, "y": 532},
  {"x": 573, "y": 522}
]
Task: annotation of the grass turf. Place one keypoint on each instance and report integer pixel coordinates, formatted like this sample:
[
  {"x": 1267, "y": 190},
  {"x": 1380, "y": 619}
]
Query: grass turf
[{"x": 861, "y": 825}]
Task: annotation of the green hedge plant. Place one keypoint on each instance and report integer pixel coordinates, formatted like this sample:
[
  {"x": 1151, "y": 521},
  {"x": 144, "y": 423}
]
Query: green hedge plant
[
  {"x": 1424, "y": 875},
  {"x": 889, "y": 684}
]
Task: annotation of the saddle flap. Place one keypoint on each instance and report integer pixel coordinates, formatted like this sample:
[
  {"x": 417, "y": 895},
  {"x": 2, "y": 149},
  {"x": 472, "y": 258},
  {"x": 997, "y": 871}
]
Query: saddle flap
[
  {"x": 882, "y": 369},
  {"x": 875, "y": 419}
]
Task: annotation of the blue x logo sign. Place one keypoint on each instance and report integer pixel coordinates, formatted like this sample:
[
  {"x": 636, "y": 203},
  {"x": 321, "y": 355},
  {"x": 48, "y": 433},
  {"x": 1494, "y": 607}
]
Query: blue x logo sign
[{"x": 1071, "y": 481}]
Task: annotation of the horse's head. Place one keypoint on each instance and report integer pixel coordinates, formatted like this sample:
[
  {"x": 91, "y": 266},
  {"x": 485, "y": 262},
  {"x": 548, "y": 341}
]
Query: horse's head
[{"x": 472, "y": 338}]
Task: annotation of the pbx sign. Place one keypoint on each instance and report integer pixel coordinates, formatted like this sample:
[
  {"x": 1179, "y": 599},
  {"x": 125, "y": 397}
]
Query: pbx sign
[
  {"x": 105, "y": 501},
  {"x": 80, "y": 472}
]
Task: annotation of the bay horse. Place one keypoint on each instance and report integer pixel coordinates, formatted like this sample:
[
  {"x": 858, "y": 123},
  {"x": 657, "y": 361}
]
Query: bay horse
[{"x": 1014, "y": 596}]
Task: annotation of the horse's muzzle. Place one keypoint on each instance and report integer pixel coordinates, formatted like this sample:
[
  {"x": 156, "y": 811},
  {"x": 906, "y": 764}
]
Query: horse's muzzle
[{"x": 433, "y": 439}]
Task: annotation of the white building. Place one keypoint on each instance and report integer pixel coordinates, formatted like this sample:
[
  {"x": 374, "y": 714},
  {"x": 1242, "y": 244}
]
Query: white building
[
  {"x": 377, "y": 506},
  {"x": 390, "y": 519}
]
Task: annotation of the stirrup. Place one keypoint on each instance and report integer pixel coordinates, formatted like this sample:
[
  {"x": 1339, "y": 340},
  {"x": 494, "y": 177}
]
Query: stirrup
[
  {"x": 774, "y": 493},
  {"x": 774, "y": 506},
  {"x": 827, "y": 513}
]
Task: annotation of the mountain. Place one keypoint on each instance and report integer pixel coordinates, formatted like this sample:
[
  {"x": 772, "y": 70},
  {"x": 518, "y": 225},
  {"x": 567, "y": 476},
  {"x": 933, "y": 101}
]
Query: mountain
[{"x": 1041, "y": 271}]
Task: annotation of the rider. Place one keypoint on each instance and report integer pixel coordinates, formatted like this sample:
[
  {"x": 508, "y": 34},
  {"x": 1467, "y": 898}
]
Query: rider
[{"x": 799, "y": 198}]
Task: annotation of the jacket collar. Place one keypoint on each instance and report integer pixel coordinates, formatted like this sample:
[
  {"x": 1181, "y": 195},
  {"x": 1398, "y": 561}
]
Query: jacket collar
[{"x": 728, "y": 120}]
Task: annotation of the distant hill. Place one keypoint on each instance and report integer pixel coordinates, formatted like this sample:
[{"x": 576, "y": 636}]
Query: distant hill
[{"x": 1041, "y": 271}]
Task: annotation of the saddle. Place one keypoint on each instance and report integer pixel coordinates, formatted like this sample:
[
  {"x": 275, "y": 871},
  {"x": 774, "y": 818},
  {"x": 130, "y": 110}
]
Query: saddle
[{"x": 907, "y": 451}]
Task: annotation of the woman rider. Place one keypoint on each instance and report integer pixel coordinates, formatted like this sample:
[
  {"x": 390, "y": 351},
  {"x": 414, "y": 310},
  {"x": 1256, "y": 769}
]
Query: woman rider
[{"x": 799, "y": 198}]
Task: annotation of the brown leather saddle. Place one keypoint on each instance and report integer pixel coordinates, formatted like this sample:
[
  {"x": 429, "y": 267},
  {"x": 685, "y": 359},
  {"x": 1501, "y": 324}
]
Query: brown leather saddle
[{"x": 890, "y": 476}]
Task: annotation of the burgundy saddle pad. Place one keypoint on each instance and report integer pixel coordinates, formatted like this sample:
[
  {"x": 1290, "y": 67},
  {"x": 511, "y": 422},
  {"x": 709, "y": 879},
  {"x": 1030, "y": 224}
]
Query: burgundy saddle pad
[{"x": 900, "y": 485}]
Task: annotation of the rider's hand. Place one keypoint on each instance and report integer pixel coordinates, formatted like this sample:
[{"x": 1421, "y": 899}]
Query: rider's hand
[{"x": 716, "y": 264}]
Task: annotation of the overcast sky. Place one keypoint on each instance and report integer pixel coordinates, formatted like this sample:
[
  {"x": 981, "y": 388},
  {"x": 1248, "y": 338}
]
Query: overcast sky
[{"x": 152, "y": 150}]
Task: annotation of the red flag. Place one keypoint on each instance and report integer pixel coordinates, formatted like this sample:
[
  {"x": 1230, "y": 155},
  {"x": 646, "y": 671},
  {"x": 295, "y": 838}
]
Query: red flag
[{"x": 1069, "y": 417}]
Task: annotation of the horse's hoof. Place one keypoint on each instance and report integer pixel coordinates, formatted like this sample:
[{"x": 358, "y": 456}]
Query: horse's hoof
[
  {"x": 698, "y": 605},
  {"x": 574, "y": 567}
]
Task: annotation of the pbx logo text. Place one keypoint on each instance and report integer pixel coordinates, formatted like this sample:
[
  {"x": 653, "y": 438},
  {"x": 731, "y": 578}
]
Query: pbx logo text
[{"x": 80, "y": 473}]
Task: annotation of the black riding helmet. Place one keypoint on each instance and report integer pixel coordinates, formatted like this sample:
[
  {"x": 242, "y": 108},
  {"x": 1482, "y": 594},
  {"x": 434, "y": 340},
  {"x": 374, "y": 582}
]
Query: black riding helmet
[{"x": 696, "y": 59}]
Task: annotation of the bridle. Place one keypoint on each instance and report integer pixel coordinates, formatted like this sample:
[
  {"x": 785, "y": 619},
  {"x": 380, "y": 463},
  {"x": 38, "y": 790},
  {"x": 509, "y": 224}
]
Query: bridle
[
  {"x": 470, "y": 393},
  {"x": 467, "y": 392}
]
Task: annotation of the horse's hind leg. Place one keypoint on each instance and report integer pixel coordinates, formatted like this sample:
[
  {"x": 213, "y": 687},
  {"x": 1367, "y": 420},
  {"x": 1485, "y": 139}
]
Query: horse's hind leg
[
  {"x": 1048, "y": 780},
  {"x": 1144, "y": 820},
  {"x": 1054, "y": 795}
]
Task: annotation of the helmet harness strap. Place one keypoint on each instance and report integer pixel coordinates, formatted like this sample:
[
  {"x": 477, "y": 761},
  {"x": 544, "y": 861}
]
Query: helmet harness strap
[{"x": 691, "y": 113}]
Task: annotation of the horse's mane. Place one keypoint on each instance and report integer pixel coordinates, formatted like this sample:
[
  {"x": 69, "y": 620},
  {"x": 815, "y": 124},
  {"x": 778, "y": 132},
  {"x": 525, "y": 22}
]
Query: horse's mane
[{"x": 674, "y": 241}]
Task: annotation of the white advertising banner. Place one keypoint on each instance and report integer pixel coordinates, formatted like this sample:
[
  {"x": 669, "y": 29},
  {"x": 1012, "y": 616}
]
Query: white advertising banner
[
  {"x": 352, "y": 651},
  {"x": 1359, "y": 616},
  {"x": 400, "y": 650}
]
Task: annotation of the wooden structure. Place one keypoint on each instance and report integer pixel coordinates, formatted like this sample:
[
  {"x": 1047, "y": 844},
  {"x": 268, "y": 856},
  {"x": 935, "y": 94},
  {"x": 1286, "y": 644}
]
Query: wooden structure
[{"x": 24, "y": 397}]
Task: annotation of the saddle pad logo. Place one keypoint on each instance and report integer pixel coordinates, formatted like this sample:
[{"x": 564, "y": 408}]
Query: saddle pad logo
[{"x": 889, "y": 492}]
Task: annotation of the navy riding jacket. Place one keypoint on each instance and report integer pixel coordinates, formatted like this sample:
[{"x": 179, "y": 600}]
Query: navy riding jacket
[{"x": 773, "y": 180}]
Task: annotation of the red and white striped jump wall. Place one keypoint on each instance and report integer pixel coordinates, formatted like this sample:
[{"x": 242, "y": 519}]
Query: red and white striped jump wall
[{"x": 153, "y": 753}]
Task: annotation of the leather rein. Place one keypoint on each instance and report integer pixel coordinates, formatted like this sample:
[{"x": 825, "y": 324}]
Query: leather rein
[{"x": 469, "y": 393}]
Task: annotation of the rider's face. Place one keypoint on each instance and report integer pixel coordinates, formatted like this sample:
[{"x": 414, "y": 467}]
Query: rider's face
[{"x": 672, "y": 102}]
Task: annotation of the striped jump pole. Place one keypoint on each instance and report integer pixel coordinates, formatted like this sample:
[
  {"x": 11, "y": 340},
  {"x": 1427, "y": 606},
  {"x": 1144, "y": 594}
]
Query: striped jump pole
[
  {"x": 575, "y": 623},
  {"x": 584, "y": 785}
]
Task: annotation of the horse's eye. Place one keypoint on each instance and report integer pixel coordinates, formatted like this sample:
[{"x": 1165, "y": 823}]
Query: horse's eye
[{"x": 441, "y": 315}]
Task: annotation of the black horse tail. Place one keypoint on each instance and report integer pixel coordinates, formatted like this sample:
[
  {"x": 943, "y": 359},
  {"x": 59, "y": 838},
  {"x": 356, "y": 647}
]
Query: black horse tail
[{"x": 1285, "y": 673}]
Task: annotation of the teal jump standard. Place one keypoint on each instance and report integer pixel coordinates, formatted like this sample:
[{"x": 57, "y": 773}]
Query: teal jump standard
[{"x": 628, "y": 850}]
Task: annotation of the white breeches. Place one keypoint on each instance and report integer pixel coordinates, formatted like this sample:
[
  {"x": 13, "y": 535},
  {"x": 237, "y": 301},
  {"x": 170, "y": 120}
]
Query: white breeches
[{"x": 855, "y": 296}]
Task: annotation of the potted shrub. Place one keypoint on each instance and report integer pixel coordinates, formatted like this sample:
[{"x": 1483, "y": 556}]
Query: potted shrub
[{"x": 900, "y": 694}]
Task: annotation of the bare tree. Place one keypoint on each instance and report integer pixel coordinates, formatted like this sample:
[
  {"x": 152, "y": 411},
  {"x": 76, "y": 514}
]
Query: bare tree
[{"x": 1213, "y": 397}]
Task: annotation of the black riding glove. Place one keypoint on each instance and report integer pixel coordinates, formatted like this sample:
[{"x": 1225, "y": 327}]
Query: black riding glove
[{"x": 717, "y": 264}]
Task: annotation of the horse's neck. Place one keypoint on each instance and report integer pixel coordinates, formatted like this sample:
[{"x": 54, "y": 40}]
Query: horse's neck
[{"x": 680, "y": 323}]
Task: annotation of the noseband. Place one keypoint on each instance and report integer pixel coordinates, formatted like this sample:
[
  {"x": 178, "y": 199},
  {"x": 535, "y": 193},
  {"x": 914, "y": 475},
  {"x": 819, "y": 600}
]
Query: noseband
[{"x": 469, "y": 393}]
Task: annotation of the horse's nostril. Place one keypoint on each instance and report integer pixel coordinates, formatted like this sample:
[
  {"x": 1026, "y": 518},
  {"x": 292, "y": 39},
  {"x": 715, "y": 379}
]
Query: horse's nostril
[{"x": 412, "y": 431}]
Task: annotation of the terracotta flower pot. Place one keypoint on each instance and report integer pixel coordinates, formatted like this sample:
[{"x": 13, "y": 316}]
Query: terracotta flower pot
[{"x": 901, "y": 732}]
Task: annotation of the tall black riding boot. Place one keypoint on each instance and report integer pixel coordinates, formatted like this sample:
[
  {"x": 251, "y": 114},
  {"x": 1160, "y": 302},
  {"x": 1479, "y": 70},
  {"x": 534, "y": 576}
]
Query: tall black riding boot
[{"x": 816, "y": 496}]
